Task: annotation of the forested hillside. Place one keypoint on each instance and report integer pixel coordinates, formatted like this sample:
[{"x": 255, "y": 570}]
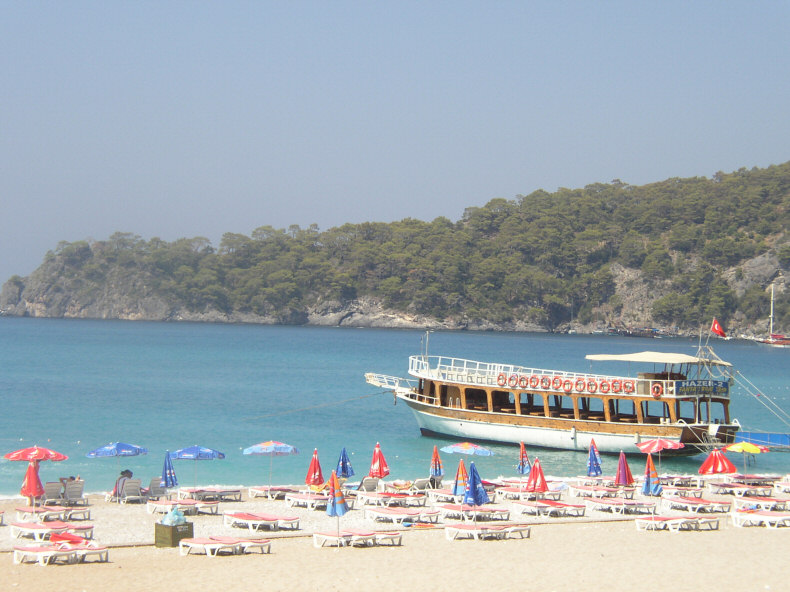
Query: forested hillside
[{"x": 674, "y": 253}]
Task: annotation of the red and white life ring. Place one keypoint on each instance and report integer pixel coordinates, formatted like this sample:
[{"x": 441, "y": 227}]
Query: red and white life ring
[
  {"x": 523, "y": 382},
  {"x": 604, "y": 386},
  {"x": 617, "y": 386},
  {"x": 556, "y": 383},
  {"x": 628, "y": 387},
  {"x": 592, "y": 386},
  {"x": 657, "y": 390},
  {"x": 567, "y": 386},
  {"x": 534, "y": 380},
  {"x": 545, "y": 382},
  {"x": 501, "y": 380},
  {"x": 513, "y": 380},
  {"x": 580, "y": 385}
]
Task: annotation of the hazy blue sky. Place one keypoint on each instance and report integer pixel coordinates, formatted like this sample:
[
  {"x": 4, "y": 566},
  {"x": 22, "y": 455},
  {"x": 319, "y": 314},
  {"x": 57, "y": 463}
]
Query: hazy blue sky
[{"x": 183, "y": 119}]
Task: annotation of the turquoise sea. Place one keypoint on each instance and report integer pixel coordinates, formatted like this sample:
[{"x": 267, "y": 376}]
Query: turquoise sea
[{"x": 75, "y": 385}]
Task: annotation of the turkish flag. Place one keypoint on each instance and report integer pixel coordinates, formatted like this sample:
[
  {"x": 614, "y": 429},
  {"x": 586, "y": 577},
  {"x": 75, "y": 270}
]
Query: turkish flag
[{"x": 717, "y": 329}]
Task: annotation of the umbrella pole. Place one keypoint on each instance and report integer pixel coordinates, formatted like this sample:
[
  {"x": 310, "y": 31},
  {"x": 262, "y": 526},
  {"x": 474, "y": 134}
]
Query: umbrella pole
[{"x": 271, "y": 464}]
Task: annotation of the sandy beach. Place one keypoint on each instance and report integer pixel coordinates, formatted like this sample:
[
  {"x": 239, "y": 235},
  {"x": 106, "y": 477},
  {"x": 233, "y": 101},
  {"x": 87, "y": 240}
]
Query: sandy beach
[{"x": 598, "y": 552}]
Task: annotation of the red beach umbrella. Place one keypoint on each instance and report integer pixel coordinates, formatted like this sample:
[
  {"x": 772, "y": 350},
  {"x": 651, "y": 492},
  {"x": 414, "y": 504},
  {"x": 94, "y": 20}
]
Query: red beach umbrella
[
  {"x": 536, "y": 483},
  {"x": 31, "y": 486},
  {"x": 717, "y": 463},
  {"x": 623, "y": 476},
  {"x": 314, "y": 475},
  {"x": 378, "y": 465},
  {"x": 436, "y": 463},
  {"x": 656, "y": 445}
]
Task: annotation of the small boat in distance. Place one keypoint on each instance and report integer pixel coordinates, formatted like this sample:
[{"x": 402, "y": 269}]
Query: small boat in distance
[
  {"x": 774, "y": 339},
  {"x": 684, "y": 399}
]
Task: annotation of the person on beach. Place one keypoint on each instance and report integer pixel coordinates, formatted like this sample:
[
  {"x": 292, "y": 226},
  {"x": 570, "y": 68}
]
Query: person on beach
[
  {"x": 64, "y": 480},
  {"x": 126, "y": 474}
]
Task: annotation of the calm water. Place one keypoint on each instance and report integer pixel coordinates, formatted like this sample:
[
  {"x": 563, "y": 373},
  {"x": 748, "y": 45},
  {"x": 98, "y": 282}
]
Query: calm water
[{"x": 77, "y": 385}]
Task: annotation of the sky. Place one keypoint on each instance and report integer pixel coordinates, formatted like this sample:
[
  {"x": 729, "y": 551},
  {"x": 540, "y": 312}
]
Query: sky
[{"x": 186, "y": 119}]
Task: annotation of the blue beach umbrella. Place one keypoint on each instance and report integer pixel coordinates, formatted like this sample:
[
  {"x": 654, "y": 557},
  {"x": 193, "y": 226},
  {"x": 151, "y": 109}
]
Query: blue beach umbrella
[
  {"x": 196, "y": 453},
  {"x": 594, "y": 461},
  {"x": 344, "y": 469},
  {"x": 337, "y": 505},
  {"x": 475, "y": 494},
  {"x": 271, "y": 448},
  {"x": 117, "y": 449},
  {"x": 651, "y": 486},
  {"x": 169, "y": 478},
  {"x": 523, "y": 466}
]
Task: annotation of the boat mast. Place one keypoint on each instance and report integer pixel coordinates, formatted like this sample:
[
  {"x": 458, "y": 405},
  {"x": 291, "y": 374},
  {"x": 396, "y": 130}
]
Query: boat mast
[{"x": 771, "y": 318}]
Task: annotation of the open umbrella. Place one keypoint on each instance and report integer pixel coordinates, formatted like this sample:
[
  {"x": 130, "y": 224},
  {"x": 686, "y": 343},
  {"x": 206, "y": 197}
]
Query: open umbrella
[
  {"x": 169, "y": 478},
  {"x": 270, "y": 448},
  {"x": 314, "y": 475},
  {"x": 716, "y": 463},
  {"x": 594, "y": 461},
  {"x": 466, "y": 448},
  {"x": 344, "y": 469},
  {"x": 436, "y": 464},
  {"x": 623, "y": 476},
  {"x": 523, "y": 466},
  {"x": 196, "y": 453},
  {"x": 31, "y": 485},
  {"x": 651, "y": 486},
  {"x": 117, "y": 449},
  {"x": 461, "y": 478},
  {"x": 537, "y": 480},
  {"x": 378, "y": 464},
  {"x": 745, "y": 448},
  {"x": 656, "y": 445}
]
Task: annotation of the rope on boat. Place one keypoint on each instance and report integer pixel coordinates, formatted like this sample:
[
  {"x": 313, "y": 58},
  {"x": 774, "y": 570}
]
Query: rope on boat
[
  {"x": 322, "y": 405},
  {"x": 765, "y": 400}
]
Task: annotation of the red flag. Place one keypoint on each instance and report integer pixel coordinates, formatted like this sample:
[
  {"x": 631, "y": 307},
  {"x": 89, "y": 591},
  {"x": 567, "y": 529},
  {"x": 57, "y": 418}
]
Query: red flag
[{"x": 717, "y": 329}]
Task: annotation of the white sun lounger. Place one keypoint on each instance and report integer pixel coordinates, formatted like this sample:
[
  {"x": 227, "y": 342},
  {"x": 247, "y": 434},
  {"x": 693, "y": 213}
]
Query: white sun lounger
[
  {"x": 485, "y": 531},
  {"x": 761, "y": 503},
  {"x": 40, "y": 513},
  {"x": 676, "y": 523},
  {"x": 344, "y": 538},
  {"x": 254, "y": 521},
  {"x": 210, "y": 547},
  {"x": 44, "y": 554},
  {"x": 40, "y": 531},
  {"x": 619, "y": 505},
  {"x": 484, "y": 512},
  {"x": 765, "y": 518},
  {"x": 693, "y": 504},
  {"x": 270, "y": 491},
  {"x": 247, "y": 545},
  {"x": 549, "y": 508},
  {"x": 401, "y": 515},
  {"x": 311, "y": 501}
]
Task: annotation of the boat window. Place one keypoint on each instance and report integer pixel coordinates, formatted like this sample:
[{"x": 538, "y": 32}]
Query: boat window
[
  {"x": 591, "y": 408},
  {"x": 560, "y": 406},
  {"x": 654, "y": 411},
  {"x": 503, "y": 402},
  {"x": 686, "y": 411},
  {"x": 476, "y": 399},
  {"x": 531, "y": 404},
  {"x": 624, "y": 410}
]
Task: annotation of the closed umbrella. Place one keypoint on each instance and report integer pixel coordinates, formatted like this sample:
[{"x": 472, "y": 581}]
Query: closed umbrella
[
  {"x": 31, "y": 485},
  {"x": 344, "y": 469},
  {"x": 314, "y": 476},
  {"x": 169, "y": 478},
  {"x": 337, "y": 502},
  {"x": 436, "y": 471},
  {"x": 537, "y": 480},
  {"x": 524, "y": 466},
  {"x": 461, "y": 478},
  {"x": 594, "y": 461},
  {"x": 623, "y": 476},
  {"x": 378, "y": 464},
  {"x": 475, "y": 494},
  {"x": 651, "y": 486}
]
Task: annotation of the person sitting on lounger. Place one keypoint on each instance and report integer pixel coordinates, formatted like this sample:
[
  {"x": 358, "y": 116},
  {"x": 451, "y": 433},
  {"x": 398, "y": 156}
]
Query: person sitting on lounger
[
  {"x": 126, "y": 474},
  {"x": 64, "y": 480}
]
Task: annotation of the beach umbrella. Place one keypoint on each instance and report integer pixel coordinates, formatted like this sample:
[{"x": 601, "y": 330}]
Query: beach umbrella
[
  {"x": 623, "y": 476},
  {"x": 314, "y": 475},
  {"x": 436, "y": 463},
  {"x": 537, "y": 480},
  {"x": 594, "y": 461},
  {"x": 651, "y": 486},
  {"x": 745, "y": 448},
  {"x": 474, "y": 494},
  {"x": 31, "y": 485},
  {"x": 196, "y": 453},
  {"x": 270, "y": 448},
  {"x": 461, "y": 478},
  {"x": 117, "y": 449},
  {"x": 337, "y": 505},
  {"x": 716, "y": 463},
  {"x": 169, "y": 478},
  {"x": 523, "y": 466},
  {"x": 466, "y": 448},
  {"x": 656, "y": 445},
  {"x": 344, "y": 469},
  {"x": 378, "y": 464}
]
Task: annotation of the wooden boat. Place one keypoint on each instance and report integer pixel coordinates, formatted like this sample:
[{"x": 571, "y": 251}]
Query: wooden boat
[
  {"x": 774, "y": 339},
  {"x": 687, "y": 401}
]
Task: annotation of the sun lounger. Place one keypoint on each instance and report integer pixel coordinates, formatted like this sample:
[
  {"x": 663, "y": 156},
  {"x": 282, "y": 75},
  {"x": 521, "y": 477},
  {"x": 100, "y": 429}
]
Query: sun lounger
[
  {"x": 210, "y": 547},
  {"x": 219, "y": 494},
  {"x": 676, "y": 523},
  {"x": 247, "y": 545},
  {"x": 344, "y": 538},
  {"x": 767, "y": 518},
  {"x": 549, "y": 508},
  {"x": 740, "y": 489},
  {"x": 131, "y": 492},
  {"x": 255, "y": 521},
  {"x": 619, "y": 505},
  {"x": 40, "y": 513},
  {"x": 594, "y": 491},
  {"x": 52, "y": 493},
  {"x": 761, "y": 503},
  {"x": 2, "y": 512},
  {"x": 270, "y": 491},
  {"x": 401, "y": 515},
  {"x": 677, "y": 490},
  {"x": 311, "y": 501},
  {"x": 485, "y": 531},
  {"x": 44, "y": 554},
  {"x": 40, "y": 531},
  {"x": 83, "y": 548},
  {"x": 186, "y": 506},
  {"x": 485, "y": 512},
  {"x": 73, "y": 494},
  {"x": 156, "y": 490},
  {"x": 693, "y": 504},
  {"x": 442, "y": 495}
]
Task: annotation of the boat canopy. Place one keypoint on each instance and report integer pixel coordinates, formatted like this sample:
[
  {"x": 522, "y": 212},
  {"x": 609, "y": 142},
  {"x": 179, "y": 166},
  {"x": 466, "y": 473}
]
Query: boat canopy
[{"x": 656, "y": 358}]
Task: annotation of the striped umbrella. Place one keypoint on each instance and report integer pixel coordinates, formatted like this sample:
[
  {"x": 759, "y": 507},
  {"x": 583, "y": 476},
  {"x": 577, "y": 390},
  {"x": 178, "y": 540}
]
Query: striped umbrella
[
  {"x": 169, "y": 478},
  {"x": 270, "y": 448}
]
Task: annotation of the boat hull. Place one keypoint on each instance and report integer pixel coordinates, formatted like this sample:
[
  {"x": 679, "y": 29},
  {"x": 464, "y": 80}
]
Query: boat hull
[{"x": 556, "y": 433}]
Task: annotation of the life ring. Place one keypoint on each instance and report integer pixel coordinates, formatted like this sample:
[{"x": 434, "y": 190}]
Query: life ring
[
  {"x": 523, "y": 382},
  {"x": 617, "y": 386},
  {"x": 533, "y": 381},
  {"x": 580, "y": 385},
  {"x": 592, "y": 386},
  {"x": 501, "y": 380},
  {"x": 513, "y": 380},
  {"x": 604, "y": 386},
  {"x": 628, "y": 387},
  {"x": 545, "y": 382},
  {"x": 567, "y": 386},
  {"x": 657, "y": 390},
  {"x": 556, "y": 384}
]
